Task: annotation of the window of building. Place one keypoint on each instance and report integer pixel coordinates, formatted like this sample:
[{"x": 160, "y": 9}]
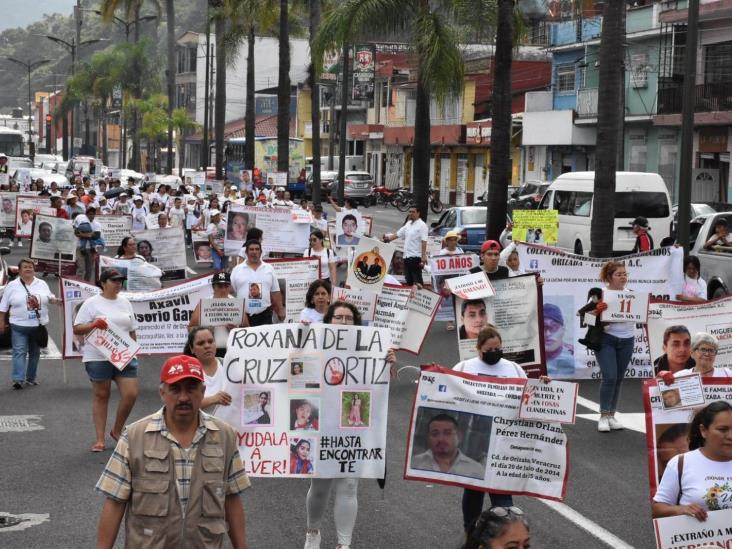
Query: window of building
[
  {"x": 718, "y": 63},
  {"x": 565, "y": 80}
]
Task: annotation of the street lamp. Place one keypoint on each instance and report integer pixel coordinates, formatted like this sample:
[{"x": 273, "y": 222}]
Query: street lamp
[
  {"x": 124, "y": 23},
  {"x": 30, "y": 67}
]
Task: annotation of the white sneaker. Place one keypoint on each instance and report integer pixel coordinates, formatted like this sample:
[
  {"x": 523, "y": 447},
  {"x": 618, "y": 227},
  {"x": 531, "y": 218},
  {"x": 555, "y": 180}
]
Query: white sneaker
[
  {"x": 312, "y": 540},
  {"x": 603, "y": 425},
  {"x": 20, "y": 244},
  {"x": 615, "y": 425},
  {"x": 11, "y": 244}
]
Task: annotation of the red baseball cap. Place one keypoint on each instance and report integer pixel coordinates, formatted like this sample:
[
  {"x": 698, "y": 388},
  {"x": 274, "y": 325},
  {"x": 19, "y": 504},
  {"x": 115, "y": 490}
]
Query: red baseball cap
[
  {"x": 181, "y": 367},
  {"x": 490, "y": 245}
]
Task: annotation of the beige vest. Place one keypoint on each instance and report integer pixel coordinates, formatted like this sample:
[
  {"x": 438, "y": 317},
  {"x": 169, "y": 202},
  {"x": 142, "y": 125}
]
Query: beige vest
[{"x": 154, "y": 519}]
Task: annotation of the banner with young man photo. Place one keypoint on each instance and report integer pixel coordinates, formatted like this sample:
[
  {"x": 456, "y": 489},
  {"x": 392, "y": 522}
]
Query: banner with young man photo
[
  {"x": 309, "y": 401},
  {"x": 568, "y": 279}
]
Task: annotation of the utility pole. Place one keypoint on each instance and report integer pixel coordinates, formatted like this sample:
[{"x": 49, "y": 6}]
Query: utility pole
[
  {"x": 343, "y": 127},
  {"x": 687, "y": 123},
  {"x": 77, "y": 40}
]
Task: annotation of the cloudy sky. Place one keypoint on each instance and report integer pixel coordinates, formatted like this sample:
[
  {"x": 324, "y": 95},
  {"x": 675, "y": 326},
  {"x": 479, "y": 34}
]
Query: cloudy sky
[{"x": 19, "y": 13}]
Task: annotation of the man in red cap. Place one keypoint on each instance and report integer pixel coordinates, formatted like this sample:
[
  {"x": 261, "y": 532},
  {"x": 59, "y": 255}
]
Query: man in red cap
[
  {"x": 490, "y": 253},
  {"x": 178, "y": 469}
]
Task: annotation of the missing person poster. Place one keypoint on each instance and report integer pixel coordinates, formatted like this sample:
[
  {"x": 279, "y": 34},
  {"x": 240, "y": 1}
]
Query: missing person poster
[
  {"x": 568, "y": 278},
  {"x": 117, "y": 346},
  {"x": 364, "y": 301},
  {"x": 141, "y": 275},
  {"x": 443, "y": 268},
  {"x": 162, "y": 315},
  {"x": 294, "y": 276},
  {"x": 536, "y": 226},
  {"x": 624, "y": 306},
  {"x": 349, "y": 228},
  {"x": 471, "y": 286},
  {"x": 309, "y": 401},
  {"x": 371, "y": 260},
  {"x": 222, "y": 311},
  {"x": 201, "y": 248},
  {"x": 515, "y": 311},
  {"x": 682, "y": 532},
  {"x": 667, "y": 429},
  {"x": 238, "y": 222},
  {"x": 464, "y": 431},
  {"x": 164, "y": 248},
  {"x": 114, "y": 229},
  {"x": 281, "y": 233},
  {"x": 53, "y": 239},
  {"x": 7, "y": 211},
  {"x": 712, "y": 317},
  {"x": 555, "y": 401},
  {"x": 408, "y": 313},
  {"x": 26, "y": 207}
]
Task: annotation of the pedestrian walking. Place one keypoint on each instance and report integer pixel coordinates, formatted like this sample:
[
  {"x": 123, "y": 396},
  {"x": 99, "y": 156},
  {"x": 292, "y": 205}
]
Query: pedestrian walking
[
  {"x": 26, "y": 299},
  {"x": 256, "y": 282},
  {"x": 328, "y": 258},
  {"x": 201, "y": 344},
  {"x": 175, "y": 474},
  {"x": 490, "y": 254},
  {"x": 414, "y": 232},
  {"x": 100, "y": 311},
  {"x": 643, "y": 240}
]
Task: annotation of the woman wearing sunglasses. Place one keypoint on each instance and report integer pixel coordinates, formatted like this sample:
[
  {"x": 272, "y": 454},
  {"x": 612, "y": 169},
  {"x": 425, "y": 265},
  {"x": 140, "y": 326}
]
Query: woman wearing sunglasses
[{"x": 499, "y": 528}]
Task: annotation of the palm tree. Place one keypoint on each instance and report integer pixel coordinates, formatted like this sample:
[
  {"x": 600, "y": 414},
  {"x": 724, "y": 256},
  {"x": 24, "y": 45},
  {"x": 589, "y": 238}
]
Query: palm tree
[
  {"x": 170, "y": 78},
  {"x": 314, "y": 101},
  {"x": 283, "y": 91},
  {"x": 219, "y": 16},
  {"x": 608, "y": 125},
  {"x": 426, "y": 25}
]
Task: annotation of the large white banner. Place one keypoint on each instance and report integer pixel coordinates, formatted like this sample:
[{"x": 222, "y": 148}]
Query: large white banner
[
  {"x": 26, "y": 207},
  {"x": 162, "y": 315},
  {"x": 712, "y": 317},
  {"x": 281, "y": 233},
  {"x": 53, "y": 239},
  {"x": 141, "y": 275},
  {"x": 471, "y": 423},
  {"x": 685, "y": 532},
  {"x": 667, "y": 430},
  {"x": 567, "y": 280},
  {"x": 515, "y": 311},
  {"x": 114, "y": 229},
  {"x": 309, "y": 401},
  {"x": 294, "y": 276},
  {"x": 165, "y": 248}
]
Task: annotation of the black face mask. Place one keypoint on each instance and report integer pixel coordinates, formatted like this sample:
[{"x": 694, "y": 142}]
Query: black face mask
[{"x": 491, "y": 357}]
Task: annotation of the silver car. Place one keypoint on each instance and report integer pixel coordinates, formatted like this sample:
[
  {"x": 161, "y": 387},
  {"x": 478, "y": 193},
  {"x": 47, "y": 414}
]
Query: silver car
[{"x": 358, "y": 184}]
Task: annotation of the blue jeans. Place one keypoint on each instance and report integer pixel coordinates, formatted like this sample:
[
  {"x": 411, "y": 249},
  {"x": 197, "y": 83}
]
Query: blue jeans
[
  {"x": 473, "y": 505},
  {"x": 25, "y": 353},
  {"x": 218, "y": 261},
  {"x": 613, "y": 358}
]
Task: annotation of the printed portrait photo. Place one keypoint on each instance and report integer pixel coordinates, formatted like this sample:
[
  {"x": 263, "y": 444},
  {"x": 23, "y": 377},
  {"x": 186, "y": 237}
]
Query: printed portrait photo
[
  {"x": 451, "y": 442},
  {"x": 202, "y": 252},
  {"x": 302, "y": 452},
  {"x": 237, "y": 225},
  {"x": 671, "y": 440},
  {"x": 355, "y": 409},
  {"x": 671, "y": 398},
  {"x": 255, "y": 290},
  {"x": 304, "y": 414},
  {"x": 472, "y": 317},
  {"x": 257, "y": 407},
  {"x": 305, "y": 371},
  {"x": 559, "y": 320}
]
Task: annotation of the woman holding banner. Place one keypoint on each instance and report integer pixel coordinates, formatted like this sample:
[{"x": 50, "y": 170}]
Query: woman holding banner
[
  {"x": 328, "y": 258},
  {"x": 345, "y": 506},
  {"x": 202, "y": 345},
  {"x": 317, "y": 301},
  {"x": 701, "y": 479},
  {"x": 99, "y": 312},
  {"x": 616, "y": 349}
]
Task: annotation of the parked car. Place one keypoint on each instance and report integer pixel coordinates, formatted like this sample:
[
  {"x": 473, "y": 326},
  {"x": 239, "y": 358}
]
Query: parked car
[
  {"x": 79, "y": 165},
  {"x": 327, "y": 178},
  {"x": 469, "y": 221},
  {"x": 358, "y": 185},
  {"x": 40, "y": 159},
  {"x": 24, "y": 175},
  {"x": 528, "y": 195},
  {"x": 716, "y": 265},
  {"x": 695, "y": 211}
]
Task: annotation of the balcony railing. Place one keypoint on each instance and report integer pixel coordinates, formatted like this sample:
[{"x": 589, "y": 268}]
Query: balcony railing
[
  {"x": 587, "y": 102},
  {"x": 707, "y": 97}
]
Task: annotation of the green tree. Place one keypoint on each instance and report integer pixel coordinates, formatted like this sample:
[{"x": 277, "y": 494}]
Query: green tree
[{"x": 428, "y": 27}]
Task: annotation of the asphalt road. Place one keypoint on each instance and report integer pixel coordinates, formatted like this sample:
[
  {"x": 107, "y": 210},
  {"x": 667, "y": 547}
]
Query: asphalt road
[{"x": 47, "y": 473}]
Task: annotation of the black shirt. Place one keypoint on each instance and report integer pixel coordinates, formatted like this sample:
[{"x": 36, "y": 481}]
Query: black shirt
[
  {"x": 499, "y": 274},
  {"x": 661, "y": 364}
]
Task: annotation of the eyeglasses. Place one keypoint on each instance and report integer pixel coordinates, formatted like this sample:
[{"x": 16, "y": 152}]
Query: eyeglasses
[
  {"x": 706, "y": 351},
  {"x": 342, "y": 318},
  {"x": 505, "y": 511}
]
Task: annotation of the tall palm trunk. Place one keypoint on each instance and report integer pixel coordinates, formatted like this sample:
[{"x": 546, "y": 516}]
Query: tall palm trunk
[
  {"x": 251, "y": 119},
  {"x": 500, "y": 167},
  {"x": 220, "y": 109},
  {"x": 608, "y": 124},
  {"x": 421, "y": 160},
  {"x": 170, "y": 77},
  {"x": 137, "y": 93},
  {"x": 315, "y": 102},
  {"x": 283, "y": 92},
  {"x": 103, "y": 117}
]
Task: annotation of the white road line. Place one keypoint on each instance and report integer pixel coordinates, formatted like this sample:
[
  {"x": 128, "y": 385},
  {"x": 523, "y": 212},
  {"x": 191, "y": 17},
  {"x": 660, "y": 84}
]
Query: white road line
[
  {"x": 633, "y": 421},
  {"x": 608, "y": 538}
]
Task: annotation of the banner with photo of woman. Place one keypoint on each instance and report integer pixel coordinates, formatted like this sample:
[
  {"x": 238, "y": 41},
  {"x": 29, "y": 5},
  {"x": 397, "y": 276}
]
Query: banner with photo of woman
[
  {"x": 281, "y": 233},
  {"x": 164, "y": 248},
  {"x": 568, "y": 279},
  {"x": 53, "y": 239},
  {"x": 309, "y": 401},
  {"x": 202, "y": 252},
  {"x": 515, "y": 311},
  {"x": 238, "y": 222},
  {"x": 465, "y": 431}
]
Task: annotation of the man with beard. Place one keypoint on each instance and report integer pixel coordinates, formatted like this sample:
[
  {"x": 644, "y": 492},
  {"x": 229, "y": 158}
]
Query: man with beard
[{"x": 444, "y": 455}]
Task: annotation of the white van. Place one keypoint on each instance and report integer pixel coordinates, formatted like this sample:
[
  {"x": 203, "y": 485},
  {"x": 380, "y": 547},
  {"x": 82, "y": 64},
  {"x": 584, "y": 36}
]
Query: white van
[{"x": 636, "y": 194}]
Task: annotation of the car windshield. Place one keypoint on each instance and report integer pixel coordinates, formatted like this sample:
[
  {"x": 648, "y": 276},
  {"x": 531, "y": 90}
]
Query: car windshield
[
  {"x": 473, "y": 216},
  {"x": 358, "y": 177}
]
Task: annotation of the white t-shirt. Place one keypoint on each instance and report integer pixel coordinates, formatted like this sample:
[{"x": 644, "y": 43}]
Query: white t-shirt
[
  {"x": 694, "y": 287},
  {"x": 413, "y": 233},
  {"x": 320, "y": 224},
  {"x": 311, "y": 315},
  {"x": 247, "y": 283},
  {"x": 214, "y": 383},
  {"x": 326, "y": 256},
  {"x": 138, "y": 218},
  {"x": 700, "y": 479},
  {"x": 176, "y": 215},
  {"x": 502, "y": 368},
  {"x": 445, "y": 251},
  {"x": 15, "y": 299},
  {"x": 115, "y": 311}
]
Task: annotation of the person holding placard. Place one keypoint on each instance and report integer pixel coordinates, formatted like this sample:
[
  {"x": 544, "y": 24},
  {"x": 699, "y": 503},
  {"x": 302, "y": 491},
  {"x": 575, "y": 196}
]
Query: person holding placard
[
  {"x": 490, "y": 254},
  {"x": 216, "y": 231},
  {"x": 700, "y": 480},
  {"x": 98, "y": 312},
  {"x": 202, "y": 345},
  {"x": 615, "y": 352},
  {"x": 256, "y": 282},
  {"x": 317, "y": 301}
]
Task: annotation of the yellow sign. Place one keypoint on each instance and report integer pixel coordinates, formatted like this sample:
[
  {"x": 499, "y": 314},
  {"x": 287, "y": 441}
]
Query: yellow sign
[{"x": 535, "y": 226}]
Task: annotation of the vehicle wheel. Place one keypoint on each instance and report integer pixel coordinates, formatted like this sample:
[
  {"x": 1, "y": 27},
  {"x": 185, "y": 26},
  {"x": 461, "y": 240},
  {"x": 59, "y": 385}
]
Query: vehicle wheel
[
  {"x": 719, "y": 291},
  {"x": 578, "y": 248},
  {"x": 403, "y": 203},
  {"x": 368, "y": 201},
  {"x": 436, "y": 205}
]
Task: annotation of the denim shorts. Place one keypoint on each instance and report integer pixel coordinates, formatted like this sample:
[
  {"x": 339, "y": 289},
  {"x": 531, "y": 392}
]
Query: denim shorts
[{"x": 103, "y": 370}]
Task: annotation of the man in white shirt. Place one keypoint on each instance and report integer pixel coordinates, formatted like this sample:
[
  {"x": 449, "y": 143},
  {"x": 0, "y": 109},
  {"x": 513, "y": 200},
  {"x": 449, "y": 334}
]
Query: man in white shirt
[
  {"x": 255, "y": 281},
  {"x": 414, "y": 232}
]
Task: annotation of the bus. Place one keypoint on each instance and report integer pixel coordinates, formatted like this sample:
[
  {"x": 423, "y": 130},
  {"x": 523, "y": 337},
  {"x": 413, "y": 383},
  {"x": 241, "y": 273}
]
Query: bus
[{"x": 11, "y": 142}]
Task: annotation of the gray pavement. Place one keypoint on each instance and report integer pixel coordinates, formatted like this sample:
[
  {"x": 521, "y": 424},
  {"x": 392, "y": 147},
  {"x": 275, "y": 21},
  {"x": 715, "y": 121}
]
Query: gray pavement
[{"x": 48, "y": 474}]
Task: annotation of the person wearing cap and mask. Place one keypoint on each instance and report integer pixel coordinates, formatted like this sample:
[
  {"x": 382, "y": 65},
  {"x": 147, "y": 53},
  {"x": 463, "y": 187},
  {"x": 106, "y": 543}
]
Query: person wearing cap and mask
[
  {"x": 490, "y": 254},
  {"x": 643, "y": 240},
  {"x": 216, "y": 230},
  {"x": 175, "y": 476},
  {"x": 559, "y": 359},
  {"x": 99, "y": 312}
]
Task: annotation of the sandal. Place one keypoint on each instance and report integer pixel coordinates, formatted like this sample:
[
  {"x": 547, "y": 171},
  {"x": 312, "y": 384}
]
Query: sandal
[
  {"x": 114, "y": 437},
  {"x": 98, "y": 447}
]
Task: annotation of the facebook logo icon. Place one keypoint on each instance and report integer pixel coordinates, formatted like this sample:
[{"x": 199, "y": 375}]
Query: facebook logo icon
[
  {"x": 442, "y": 388},
  {"x": 534, "y": 264}
]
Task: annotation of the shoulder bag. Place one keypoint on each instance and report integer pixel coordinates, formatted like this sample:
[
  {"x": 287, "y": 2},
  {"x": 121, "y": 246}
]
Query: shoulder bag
[{"x": 41, "y": 335}]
